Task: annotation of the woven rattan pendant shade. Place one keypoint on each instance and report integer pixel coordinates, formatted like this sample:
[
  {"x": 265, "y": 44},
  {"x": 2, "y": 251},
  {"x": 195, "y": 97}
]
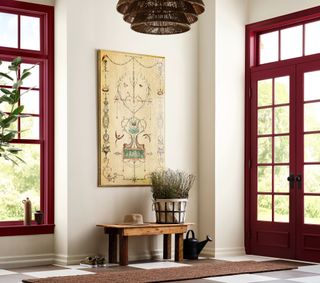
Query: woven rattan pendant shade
[{"x": 160, "y": 16}]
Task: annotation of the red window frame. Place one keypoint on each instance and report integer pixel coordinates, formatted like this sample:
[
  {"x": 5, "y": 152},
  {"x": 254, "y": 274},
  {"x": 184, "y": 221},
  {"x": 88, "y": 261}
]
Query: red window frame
[
  {"x": 45, "y": 57},
  {"x": 252, "y": 63}
]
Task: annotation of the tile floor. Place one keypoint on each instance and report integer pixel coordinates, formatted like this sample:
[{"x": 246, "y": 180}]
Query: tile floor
[{"x": 304, "y": 274}]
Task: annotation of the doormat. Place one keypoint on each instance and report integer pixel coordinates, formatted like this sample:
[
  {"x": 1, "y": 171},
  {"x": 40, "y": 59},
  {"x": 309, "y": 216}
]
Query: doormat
[{"x": 196, "y": 271}]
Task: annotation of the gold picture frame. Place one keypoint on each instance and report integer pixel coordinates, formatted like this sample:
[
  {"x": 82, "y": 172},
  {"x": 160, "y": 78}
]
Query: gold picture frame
[{"x": 131, "y": 122}]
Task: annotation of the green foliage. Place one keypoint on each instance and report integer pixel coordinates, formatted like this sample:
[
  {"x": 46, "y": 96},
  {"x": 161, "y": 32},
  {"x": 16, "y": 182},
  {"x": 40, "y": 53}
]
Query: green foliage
[
  {"x": 9, "y": 99},
  {"x": 171, "y": 184}
]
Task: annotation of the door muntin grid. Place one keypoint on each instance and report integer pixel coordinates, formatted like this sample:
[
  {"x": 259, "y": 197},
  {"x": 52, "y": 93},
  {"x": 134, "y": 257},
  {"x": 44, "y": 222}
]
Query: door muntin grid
[{"x": 273, "y": 149}]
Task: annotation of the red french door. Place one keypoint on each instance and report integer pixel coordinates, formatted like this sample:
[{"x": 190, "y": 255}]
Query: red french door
[
  {"x": 285, "y": 162},
  {"x": 273, "y": 161},
  {"x": 308, "y": 161}
]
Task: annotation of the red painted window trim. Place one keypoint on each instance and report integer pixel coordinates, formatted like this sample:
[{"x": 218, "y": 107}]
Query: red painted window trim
[
  {"x": 252, "y": 64},
  {"x": 46, "y": 57}
]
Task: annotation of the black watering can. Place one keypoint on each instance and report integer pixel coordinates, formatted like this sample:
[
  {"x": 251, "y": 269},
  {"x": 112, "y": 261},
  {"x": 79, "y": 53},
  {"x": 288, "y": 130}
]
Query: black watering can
[{"x": 192, "y": 247}]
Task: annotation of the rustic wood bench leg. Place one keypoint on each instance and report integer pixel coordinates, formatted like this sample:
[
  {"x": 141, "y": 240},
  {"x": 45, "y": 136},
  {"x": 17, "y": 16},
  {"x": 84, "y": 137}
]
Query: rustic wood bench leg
[
  {"x": 166, "y": 246},
  {"x": 123, "y": 250},
  {"x": 113, "y": 248},
  {"x": 178, "y": 247}
]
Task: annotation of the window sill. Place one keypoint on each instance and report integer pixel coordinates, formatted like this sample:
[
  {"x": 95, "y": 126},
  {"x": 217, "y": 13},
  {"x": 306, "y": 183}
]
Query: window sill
[{"x": 19, "y": 230}]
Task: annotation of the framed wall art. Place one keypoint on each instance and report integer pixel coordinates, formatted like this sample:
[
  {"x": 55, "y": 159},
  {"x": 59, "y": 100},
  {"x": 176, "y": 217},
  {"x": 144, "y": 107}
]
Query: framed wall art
[{"x": 131, "y": 93}]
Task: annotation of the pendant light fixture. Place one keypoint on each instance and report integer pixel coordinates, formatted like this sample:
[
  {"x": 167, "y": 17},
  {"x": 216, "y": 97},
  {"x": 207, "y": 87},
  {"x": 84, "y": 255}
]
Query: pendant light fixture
[{"x": 160, "y": 16}]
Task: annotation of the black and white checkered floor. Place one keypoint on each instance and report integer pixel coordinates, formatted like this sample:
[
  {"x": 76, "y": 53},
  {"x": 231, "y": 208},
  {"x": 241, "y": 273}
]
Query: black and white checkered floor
[{"x": 304, "y": 274}]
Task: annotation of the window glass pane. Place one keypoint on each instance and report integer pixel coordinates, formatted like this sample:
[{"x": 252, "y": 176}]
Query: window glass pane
[
  {"x": 281, "y": 208},
  {"x": 269, "y": 45},
  {"x": 312, "y": 210},
  {"x": 30, "y": 101},
  {"x": 281, "y": 184},
  {"x": 281, "y": 149},
  {"x": 312, "y": 117},
  {"x": 20, "y": 182},
  {"x": 264, "y": 179},
  {"x": 30, "y": 128},
  {"x": 30, "y": 33},
  {"x": 312, "y": 38},
  {"x": 312, "y": 148},
  {"x": 264, "y": 208},
  {"x": 282, "y": 90},
  {"x": 265, "y": 92},
  {"x": 291, "y": 42},
  {"x": 281, "y": 120},
  {"x": 312, "y": 179},
  {"x": 8, "y": 30},
  {"x": 33, "y": 80},
  {"x": 14, "y": 127},
  {"x": 4, "y": 106},
  {"x": 264, "y": 150},
  {"x": 4, "y": 69},
  {"x": 312, "y": 85},
  {"x": 265, "y": 121}
]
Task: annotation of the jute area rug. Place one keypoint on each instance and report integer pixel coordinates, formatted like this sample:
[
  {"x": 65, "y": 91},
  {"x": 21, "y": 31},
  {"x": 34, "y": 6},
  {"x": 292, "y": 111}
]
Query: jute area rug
[{"x": 195, "y": 271}]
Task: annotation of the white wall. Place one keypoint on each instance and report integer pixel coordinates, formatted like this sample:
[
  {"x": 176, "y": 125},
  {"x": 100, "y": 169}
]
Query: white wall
[
  {"x": 206, "y": 120},
  {"x": 229, "y": 125},
  {"x": 266, "y": 9},
  {"x": 61, "y": 132},
  {"x": 26, "y": 250},
  {"x": 88, "y": 28},
  {"x": 221, "y": 124}
]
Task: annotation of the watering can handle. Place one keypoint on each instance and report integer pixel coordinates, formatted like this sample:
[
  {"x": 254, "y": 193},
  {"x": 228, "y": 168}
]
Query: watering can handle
[{"x": 192, "y": 232}]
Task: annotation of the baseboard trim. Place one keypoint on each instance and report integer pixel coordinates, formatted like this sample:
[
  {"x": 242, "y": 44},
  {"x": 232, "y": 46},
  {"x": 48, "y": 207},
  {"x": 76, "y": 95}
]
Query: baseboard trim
[
  {"x": 222, "y": 252},
  {"x": 61, "y": 259},
  {"x": 26, "y": 261},
  {"x": 208, "y": 252},
  {"x": 236, "y": 251}
]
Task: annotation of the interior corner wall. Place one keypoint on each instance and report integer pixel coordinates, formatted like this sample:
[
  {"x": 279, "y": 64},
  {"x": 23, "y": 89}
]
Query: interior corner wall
[
  {"x": 221, "y": 125},
  {"x": 206, "y": 125},
  {"x": 89, "y": 28},
  {"x": 61, "y": 133},
  {"x": 231, "y": 17},
  {"x": 260, "y": 10}
]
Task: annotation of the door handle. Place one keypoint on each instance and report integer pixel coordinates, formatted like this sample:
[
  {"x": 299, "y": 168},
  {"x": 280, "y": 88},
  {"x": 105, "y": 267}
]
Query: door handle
[
  {"x": 299, "y": 181},
  {"x": 291, "y": 180}
]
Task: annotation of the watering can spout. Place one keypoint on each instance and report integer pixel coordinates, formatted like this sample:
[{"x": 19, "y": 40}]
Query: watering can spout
[{"x": 202, "y": 244}]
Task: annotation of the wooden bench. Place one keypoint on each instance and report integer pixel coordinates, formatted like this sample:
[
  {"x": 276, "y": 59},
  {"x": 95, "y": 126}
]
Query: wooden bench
[{"x": 126, "y": 231}]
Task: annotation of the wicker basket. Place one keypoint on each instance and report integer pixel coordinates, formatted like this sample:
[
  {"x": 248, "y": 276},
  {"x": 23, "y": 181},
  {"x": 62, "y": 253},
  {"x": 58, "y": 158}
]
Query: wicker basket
[{"x": 170, "y": 211}]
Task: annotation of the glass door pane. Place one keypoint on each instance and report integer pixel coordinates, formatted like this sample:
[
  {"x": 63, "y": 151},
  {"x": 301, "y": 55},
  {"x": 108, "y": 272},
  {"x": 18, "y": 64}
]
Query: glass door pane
[
  {"x": 273, "y": 152},
  {"x": 311, "y": 110}
]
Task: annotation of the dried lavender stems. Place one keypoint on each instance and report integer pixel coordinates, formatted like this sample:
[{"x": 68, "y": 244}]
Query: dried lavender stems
[{"x": 171, "y": 184}]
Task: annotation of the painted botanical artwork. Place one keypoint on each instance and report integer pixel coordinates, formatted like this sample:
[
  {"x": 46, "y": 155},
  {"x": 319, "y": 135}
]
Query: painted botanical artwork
[{"x": 131, "y": 118}]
